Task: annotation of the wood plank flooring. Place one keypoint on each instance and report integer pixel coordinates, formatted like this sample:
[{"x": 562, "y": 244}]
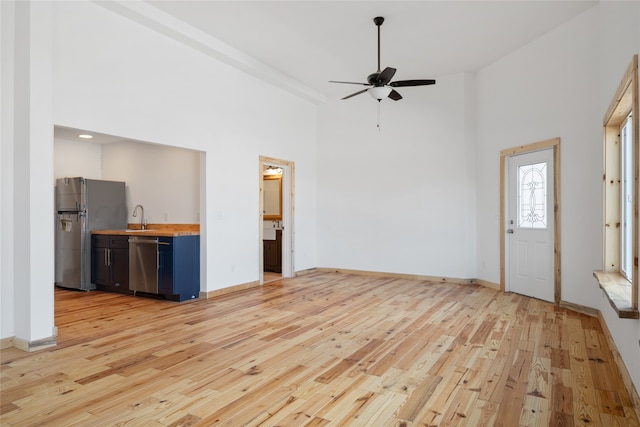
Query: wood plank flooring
[
  {"x": 320, "y": 349},
  {"x": 269, "y": 276}
]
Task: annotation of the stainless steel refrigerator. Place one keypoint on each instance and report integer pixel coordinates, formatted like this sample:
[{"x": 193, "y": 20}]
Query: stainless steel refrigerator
[{"x": 83, "y": 205}]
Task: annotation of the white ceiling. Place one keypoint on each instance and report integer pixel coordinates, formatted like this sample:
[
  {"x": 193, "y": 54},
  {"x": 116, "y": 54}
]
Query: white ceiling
[
  {"x": 312, "y": 42},
  {"x": 71, "y": 134},
  {"x": 316, "y": 41}
]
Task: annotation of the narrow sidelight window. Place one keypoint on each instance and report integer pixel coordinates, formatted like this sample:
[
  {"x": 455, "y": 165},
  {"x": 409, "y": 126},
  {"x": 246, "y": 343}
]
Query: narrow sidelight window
[{"x": 626, "y": 200}]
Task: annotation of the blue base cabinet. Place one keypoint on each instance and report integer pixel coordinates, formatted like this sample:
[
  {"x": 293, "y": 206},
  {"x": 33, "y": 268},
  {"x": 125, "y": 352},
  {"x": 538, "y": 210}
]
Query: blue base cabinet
[
  {"x": 179, "y": 267},
  {"x": 110, "y": 263}
]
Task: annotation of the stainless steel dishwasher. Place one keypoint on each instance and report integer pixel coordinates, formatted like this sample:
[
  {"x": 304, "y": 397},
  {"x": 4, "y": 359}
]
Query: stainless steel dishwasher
[{"x": 143, "y": 264}]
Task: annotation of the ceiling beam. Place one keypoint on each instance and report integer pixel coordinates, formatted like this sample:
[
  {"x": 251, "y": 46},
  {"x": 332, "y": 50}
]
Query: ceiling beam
[{"x": 164, "y": 23}]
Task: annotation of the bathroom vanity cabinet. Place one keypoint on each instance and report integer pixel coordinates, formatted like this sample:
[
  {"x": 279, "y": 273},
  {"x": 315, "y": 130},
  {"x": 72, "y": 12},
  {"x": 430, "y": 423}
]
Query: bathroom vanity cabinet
[{"x": 272, "y": 251}]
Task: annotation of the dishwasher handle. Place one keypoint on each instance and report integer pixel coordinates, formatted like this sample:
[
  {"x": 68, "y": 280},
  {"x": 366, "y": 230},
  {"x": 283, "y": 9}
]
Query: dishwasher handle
[{"x": 137, "y": 241}]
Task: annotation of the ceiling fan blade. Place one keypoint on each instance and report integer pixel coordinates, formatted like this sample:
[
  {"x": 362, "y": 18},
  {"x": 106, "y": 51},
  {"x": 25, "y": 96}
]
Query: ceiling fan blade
[
  {"x": 356, "y": 93},
  {"x": 395, "y": 95},
  {"x": 349, "y": 83},
  {"x": 404, "y": 83},
  {"x": 386, "y": 75}
]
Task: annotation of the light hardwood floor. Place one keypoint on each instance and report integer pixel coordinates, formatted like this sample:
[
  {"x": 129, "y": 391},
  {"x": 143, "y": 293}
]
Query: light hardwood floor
[
  {"x": 271, "y": 277},
  {"x": 321, "y": 349}
]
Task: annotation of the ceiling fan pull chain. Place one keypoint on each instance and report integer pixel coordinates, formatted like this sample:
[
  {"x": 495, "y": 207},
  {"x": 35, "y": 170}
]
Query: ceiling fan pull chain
[{"x": 379, "y": 115}]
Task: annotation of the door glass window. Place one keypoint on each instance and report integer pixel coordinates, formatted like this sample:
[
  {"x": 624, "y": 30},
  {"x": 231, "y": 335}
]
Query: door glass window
[
  {"x": 532, "y": 195},
  {"x": 626, "y": 199}
]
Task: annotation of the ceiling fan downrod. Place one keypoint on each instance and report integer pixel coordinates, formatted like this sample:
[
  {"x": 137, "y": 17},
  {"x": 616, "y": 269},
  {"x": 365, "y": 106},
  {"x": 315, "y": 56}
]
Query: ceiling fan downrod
[{"x": 378, "y": 20}]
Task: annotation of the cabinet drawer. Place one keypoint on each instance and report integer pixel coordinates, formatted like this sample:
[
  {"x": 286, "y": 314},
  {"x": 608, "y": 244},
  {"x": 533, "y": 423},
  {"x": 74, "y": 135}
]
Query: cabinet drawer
[
  {"x": 118, "y": 241},
  {"x": 100, "y": 241},
  {"x": 165, "y": 244}
]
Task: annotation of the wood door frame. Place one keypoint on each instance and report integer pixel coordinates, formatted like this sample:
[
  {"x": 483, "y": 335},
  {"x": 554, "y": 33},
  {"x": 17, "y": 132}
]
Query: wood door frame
[
  {"x": 554, "y": 144},
  {"x": 288, "y": 192}
]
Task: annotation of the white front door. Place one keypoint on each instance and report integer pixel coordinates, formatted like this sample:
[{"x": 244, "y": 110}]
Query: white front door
[{"x": 530, "y": 224}]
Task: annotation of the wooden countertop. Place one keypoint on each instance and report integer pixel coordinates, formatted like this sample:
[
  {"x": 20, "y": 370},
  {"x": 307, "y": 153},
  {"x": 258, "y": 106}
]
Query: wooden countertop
[
  {"x": 158, "y": 233},
  {"x": 160, "y": 230}
]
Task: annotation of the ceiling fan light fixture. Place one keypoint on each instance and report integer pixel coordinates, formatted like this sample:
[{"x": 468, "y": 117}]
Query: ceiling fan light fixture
[
  {"x": 379, "y": 92},
  {"x": 273, "y": 170},
  {"x": 379, "y": 83}
]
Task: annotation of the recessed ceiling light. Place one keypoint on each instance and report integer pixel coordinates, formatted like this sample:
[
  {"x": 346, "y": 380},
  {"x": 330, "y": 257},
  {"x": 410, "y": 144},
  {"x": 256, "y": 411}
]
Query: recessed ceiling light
[{"x": 85, "y": 136}]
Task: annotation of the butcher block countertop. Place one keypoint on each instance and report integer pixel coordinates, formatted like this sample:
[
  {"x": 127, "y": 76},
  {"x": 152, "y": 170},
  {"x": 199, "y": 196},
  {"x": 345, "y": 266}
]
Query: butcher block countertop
[{"x": 160, "y": 230}]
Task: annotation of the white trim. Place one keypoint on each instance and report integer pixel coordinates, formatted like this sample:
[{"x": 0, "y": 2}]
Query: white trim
[{"x": 31, "y": 346}]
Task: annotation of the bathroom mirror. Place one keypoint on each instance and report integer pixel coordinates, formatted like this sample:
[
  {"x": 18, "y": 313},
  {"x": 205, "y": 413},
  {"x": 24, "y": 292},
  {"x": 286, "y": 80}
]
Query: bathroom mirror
[{"x": 272, "y": 185}]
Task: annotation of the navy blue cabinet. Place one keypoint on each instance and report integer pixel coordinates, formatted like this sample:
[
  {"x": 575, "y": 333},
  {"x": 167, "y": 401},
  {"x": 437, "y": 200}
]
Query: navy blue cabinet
[
  {"x": 110, "y": 263},
  {"x": 179, "y": 267}
]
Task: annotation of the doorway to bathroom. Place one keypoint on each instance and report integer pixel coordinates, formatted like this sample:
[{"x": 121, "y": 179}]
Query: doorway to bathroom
[{"x": 276, "y": 192}]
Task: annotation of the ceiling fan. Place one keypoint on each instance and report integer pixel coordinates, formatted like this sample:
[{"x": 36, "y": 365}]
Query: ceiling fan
[{"x": 380, "y": 84}]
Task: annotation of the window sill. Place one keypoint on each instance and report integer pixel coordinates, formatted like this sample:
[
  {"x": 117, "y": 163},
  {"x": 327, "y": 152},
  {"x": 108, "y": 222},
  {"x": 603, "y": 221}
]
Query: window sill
[{"x": 618, "y": 291}]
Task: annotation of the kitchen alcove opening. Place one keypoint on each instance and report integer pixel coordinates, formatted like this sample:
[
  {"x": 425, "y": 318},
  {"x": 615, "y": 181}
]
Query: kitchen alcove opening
[{"x": 168, "y": 181}]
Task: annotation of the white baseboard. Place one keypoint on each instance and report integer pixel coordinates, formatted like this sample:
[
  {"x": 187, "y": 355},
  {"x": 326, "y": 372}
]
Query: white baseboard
[{"x": 31, "y": 346}]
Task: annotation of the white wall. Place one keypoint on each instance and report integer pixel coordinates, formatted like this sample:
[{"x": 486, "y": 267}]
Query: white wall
[
  {"x": 164, "y": 180},
  {"x": 27, "y": 151},
  {"x": 620, "y": 39},
  {"x": 560, "y": 86},
  {"x": 399, "y": 199},
  {"x": 73, "y": 158},
  {"x": 7, "y": 63},
  {"x": 544, "y": 90}
]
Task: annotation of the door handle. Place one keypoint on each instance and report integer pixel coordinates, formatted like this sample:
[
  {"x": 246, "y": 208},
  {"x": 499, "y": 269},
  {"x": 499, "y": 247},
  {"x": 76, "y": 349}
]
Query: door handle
[{"x": 510, "y": 231}]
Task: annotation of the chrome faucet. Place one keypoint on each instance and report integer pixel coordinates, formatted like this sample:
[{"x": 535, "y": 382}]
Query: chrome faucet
[{"x": 135, "y": 210}]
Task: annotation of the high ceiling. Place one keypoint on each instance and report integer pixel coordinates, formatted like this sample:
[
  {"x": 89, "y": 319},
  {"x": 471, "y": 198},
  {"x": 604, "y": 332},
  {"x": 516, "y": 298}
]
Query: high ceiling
[{"x": 316, "y": 41}]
